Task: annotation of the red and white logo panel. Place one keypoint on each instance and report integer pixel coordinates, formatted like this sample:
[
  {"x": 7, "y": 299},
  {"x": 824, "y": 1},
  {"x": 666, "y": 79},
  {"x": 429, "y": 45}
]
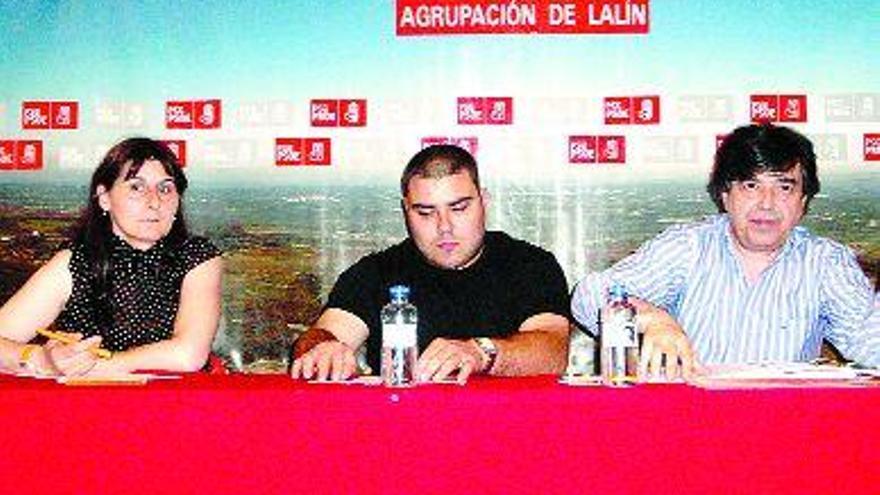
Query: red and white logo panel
[
  {"x": 612, "y": 149},
  {"x": 582, "y": 149},
  {"x": 179, "y": 115},
  {"x": 30, "y": 155},
  {"x": 471, "y": 110},
  {"x": 792, "y": 108},
  {"x": 352, "y": 113},
  {"x": 617, "y": 110},
  {"x": 289, "y": 151},
  {"x": 645, "y": 110},
  {"x": 317, "y": 151},
  {"x": 178, "y": 147},
  {"x": 7, "y": 155},
  {"x": 324, "y": 113},
  {"x": 64, "y": 114},
  {"x": 35, "y": 115},
  {"x": 499, "y": 110},
  {"x": 764, "y": 108},
  {"x": 207, "y": 114},
  {"x": 471, "y": 144},
  {"x": 872, "y": 147}
]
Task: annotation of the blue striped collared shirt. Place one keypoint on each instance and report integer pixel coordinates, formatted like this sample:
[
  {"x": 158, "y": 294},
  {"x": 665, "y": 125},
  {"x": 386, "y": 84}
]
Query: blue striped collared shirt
[{"x": 814, "y": 289}]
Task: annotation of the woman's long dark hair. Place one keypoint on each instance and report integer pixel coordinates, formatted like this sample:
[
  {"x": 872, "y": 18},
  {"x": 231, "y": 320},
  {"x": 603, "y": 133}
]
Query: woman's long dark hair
[{"x": 94, "y": 231}]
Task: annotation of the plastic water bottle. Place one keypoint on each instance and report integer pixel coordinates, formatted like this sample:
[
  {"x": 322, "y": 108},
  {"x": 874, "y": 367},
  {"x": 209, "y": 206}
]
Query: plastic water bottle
[
  {"x": 399, "y": 339},
  {"x": 619, "y": 338}
]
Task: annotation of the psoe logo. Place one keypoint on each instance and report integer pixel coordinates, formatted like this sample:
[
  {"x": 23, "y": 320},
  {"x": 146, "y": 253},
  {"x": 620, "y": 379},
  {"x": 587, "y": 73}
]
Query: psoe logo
[
  {"x": 778, "y": 108},
  {"x": 8, "y": 159},
  {"x": 179, "y": 115},
  {"x": 477, "y": 110},
  {"x": 302, "y": 151},
  {"x": 638, "y": 110},
  {"x": 21, "y": 155},
  {"x": 64, "y": 114},
  {"x": 471, "y": 144},
  {"x": 353, "y": 113},
  {"x": 471, "y": 110},
  {"x": 30, "y": 155},
  {"x": 36, "y": 115},
  {"x": 582, "y": 149},
  {"x": 178, "y": 147},
  {"x": 193, "y": 114},
  {"x": 616, "y": 110},
  {"x": 324, "y": 113},
  {"x": 338, "y": 113},
  {"x": 764, "y": 108},
  {"x": 872, "y": 147},
  {"x": 792, "y": 108},
  {"x": 208, "y": 114},
  {"x": 645, "y": 110},
  {"x": 612, "y": 149}
]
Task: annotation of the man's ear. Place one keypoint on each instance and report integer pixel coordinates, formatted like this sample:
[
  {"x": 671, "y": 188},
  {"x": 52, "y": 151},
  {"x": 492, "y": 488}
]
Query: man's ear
[
  {"x": 103, "y": 200},
  {"x": 485, "y": 196}
]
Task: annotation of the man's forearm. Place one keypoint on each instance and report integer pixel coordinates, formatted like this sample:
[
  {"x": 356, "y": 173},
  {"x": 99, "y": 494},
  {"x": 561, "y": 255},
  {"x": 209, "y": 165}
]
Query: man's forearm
[
  {"x": 534, "y": 352},
  {"x": 312, "y": 337}
]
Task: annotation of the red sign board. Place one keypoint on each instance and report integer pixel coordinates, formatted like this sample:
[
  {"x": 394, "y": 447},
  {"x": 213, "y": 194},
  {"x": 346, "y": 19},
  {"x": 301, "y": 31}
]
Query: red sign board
[
  {"x": 29, "y": 154},
  {"x": 178, "y": 147},
  {"x": 640, "y": 110},
  {"x": 36, "y": 115},
  {"x": 302, "y": 151},
  {"x": 872, "y": 147},
  {"x": 65, "y": 114},
  {"x": 792, "y": 108},
  {"x": 197, "y": 114},
  {"x": 208, "y": 114},
  {"x": 468, "y": 143},
  {"x": 612, "y": 149},
  {"x": 582, "y": 149},
  {"x": 8, "y": 159},
  {"x": 179, "y": 115},
  {"x": 288, "y": 151},
  {"x": 353, "y": 113},
  {"x": 450, "y": 17}
]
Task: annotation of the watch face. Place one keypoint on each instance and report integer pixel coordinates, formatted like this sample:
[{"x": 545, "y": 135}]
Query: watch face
[{"x": 487, "y": 346}]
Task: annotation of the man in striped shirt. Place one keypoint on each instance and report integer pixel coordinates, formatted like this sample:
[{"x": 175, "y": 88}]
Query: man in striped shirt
[{"x": 747, "y": 285}]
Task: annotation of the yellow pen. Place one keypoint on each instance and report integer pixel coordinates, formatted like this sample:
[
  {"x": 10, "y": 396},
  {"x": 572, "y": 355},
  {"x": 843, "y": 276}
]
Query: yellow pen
[{"x": 60, "y": 337}]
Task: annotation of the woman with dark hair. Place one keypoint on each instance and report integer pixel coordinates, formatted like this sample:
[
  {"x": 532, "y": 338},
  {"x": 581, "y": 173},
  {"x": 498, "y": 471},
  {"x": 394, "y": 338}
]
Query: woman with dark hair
[{"x": 132, "y": 281}]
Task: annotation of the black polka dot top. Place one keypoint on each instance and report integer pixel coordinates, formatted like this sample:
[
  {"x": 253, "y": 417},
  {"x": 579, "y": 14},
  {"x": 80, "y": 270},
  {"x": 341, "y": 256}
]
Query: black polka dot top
[{"x": 142, "y": 296}]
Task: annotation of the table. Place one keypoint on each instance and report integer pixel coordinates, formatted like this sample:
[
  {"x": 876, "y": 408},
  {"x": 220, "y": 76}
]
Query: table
[{"x": 248, "y": 434}]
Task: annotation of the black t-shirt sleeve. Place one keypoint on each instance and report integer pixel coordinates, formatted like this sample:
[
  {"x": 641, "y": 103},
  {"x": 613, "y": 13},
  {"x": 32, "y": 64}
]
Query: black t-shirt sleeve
[
  {"x": 541, "y": 287},
  {"x": 355, "y": 290}
]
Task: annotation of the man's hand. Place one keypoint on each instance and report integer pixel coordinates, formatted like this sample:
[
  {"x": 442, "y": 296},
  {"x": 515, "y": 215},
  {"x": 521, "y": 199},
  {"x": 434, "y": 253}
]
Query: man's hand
[
  {"x": 665, "y": 348},
  {"x": 330, "y": 360},
  {"x": 444, "y": 356}
]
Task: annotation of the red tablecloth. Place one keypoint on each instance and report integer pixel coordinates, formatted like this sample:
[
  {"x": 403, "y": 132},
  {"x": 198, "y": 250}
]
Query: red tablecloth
[{"x": 267, "y": 434}]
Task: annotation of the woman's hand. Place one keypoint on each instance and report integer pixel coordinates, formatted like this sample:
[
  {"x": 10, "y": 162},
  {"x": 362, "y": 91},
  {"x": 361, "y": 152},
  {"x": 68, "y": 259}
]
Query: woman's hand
[{"x": 73, "y": 359}]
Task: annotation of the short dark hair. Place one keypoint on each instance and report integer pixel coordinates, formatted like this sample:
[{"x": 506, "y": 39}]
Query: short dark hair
[
  {"x": 438, "y": 161},
  {"x": 754, "y": 149}
]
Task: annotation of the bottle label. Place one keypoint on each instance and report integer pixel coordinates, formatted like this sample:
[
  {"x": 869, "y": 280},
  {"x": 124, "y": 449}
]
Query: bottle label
[
  {"x": 399, "y": 335},
  {"x": 619, "y": 330}
]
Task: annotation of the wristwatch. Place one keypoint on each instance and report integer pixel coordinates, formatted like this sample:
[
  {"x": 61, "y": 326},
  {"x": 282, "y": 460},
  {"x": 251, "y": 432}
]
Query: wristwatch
[{"x": 490, "y": 349}]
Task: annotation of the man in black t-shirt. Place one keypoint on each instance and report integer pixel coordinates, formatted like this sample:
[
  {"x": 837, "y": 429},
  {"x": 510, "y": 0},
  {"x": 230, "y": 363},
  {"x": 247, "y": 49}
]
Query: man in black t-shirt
[{"x": 487, "y": 303}]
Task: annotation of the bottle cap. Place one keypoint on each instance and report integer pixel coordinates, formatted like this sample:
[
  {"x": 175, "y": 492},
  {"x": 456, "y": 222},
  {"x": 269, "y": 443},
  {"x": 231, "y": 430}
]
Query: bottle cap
[
  {"x": 398, "y": 292},
  {"x": 617, "y": 292}
]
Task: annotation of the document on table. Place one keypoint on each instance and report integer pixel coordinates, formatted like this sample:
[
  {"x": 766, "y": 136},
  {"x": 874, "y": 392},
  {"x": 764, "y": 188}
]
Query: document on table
[{"x": 785, "y": 375}]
